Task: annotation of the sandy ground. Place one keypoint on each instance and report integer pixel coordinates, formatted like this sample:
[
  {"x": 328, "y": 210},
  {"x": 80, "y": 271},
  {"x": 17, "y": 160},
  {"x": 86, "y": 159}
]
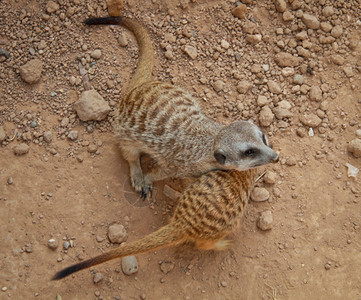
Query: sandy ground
[{"x": 60, "y": 190}]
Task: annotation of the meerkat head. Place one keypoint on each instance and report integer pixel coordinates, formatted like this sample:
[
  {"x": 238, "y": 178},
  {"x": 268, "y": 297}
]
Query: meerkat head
[{"x": 242, "y": 145}]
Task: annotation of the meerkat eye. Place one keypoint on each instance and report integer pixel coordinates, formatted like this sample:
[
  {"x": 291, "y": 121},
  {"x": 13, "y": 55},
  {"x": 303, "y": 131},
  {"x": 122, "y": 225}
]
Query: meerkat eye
[
  {"x": 264, "y": 139},
  {"x": 250, "y": 152}
]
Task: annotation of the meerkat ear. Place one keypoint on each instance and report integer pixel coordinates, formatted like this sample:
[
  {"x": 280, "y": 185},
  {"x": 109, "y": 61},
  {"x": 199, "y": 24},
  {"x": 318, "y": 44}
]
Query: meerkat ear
[{"x": 219, "y": 156}]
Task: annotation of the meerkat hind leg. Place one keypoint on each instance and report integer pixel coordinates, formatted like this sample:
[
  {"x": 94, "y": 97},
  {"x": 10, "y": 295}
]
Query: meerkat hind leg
[{"x": 217, "y": 245}]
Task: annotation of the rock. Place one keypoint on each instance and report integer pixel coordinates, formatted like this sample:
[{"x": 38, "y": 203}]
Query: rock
[
  {"x": 224, "y": 44},
  {"x": 96, "y": 54},
  {"x": 10, "y": 180},
  {"x": 283, "y": 110},
  {"x": 287, "y": 16},
  {"x": 92, "y": 148},
  {"x": 190, "y": 51},
  {"x": 337, "y": 59},
  {"x": 310, "y": 21},
  {"x": 298, "y": 79},
  {"x": 355, "y": 147},
  {"x": 270, "y": 177},
  {"x": 98, "y": 277},
  {"x": 52, "y": 7},
  {"x": 169, "y": 54},
  {"x": 122, "y": 40},
  {"x": 337, "y": 31},
  {"x": 265, "y": 220},
  {"x": 48, "y": 136},
  {"x": 73, "y": 135},
  {"x": 291, "y": 161},
  {"x": 253, "y": 38},
  {"x": 301, "y": 35},
  {"x": 262, "y": 100},
  {"x": 348, "y": 71},
  {"x": 327, "y": 11},
  {"x": 243, "y": 86},
  {"x": 266, "y": 116},
  {"x": 115, "y": 7},
  {"x": 66, "y": 245},
  {"x": 274, "y": 87},
  {"x": 21, "y": 149},
  {"x": 117, "y": 234},
  {"x": 91, "y": 106},
  {"x": 310, "y": 120},
  {"x": 315, "y": 93},
  {"x": 31, "y": 71},
  {"x": 286, "y": 72},
  {"x": 280, "y": 5},
  {"x": 240, "y": 11},
  {"x": 52, "y": 244},
  {"x": 259, "y": 194},
  {"x": 129, "y": 265},
  {"x": 284, "y": 59},
  {"x": 218, "y": 85},
  {"x": 64, "y": 122},
  {"x": 2, "y": 134},
  {"x": 326, "y": 27},
  {"x": 358, "y": 133},
  {"x": 166, "y": 266}
]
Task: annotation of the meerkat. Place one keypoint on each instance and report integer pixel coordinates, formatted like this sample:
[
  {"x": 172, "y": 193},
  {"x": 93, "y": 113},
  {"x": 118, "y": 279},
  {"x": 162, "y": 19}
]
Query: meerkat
[
  {"x": 167, "y": 123},
  {"x": 208, "y": 210}
]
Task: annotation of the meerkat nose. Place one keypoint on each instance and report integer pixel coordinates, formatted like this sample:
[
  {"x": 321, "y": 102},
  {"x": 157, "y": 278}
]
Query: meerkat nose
[{"x": 276, "y": 159}]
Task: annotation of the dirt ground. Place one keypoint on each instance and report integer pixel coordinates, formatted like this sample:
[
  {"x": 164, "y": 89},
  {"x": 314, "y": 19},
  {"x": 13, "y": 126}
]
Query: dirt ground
[{"x": 72, "y": 190}]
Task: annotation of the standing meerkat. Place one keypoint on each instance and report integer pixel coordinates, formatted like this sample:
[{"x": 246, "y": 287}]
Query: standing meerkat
[
  {"x": 167, "y": 123},
  {"x": 208, "y": 210}
]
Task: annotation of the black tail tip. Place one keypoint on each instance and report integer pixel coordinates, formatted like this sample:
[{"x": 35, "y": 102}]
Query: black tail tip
[
  {"x": 103, "y": 21},
  {"x": 60, "y": 275}
]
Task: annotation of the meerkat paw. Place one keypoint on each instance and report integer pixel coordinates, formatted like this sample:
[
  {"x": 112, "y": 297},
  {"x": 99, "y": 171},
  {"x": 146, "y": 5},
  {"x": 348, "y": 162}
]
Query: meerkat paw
[
  {"x": 222, "y": 245},
  {"x": 141, "y": 186}
]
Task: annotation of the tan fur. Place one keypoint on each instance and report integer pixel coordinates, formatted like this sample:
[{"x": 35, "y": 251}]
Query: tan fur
[
  {"x": 208, "y": 210},
  {"x": 167, "y": 123}
]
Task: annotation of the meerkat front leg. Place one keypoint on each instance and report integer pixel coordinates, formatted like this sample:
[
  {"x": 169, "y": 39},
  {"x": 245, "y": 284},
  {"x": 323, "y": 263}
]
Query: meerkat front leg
[{"x": 136, "y": 174}]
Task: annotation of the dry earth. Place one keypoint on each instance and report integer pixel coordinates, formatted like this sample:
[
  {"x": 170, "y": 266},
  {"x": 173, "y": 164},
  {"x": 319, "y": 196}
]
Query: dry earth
[{"x": 72, "y": 190}]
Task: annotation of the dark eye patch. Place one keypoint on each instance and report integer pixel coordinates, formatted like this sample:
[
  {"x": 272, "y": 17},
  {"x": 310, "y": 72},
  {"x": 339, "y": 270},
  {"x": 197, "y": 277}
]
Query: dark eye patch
[{"x": 250, "y": 152}]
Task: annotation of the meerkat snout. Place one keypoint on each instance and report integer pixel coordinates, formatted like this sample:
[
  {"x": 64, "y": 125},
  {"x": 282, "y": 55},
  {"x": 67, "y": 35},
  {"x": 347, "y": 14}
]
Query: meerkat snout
[{"x": 242, "y": 145}]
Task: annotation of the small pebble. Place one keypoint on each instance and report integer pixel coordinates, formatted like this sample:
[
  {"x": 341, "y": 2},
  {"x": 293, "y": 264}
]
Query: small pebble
[
  {"x": 98, "y": 277},
  {"x": 73, "y": 135},
  {"x": 96, "y": 54},
  {"x": 265, "y": 220},
  {"x": 21, "y": 149},
  {"x": 270, "y": 177},
  {"x": 259, "y": 194},
  {"x": 117, "y": 233},
  {"x": 224, "y": 283},
  {"x": 66, "y": 245},
  {"x": 52, "y": 244},
  {"x": 10, "y": 180},
  {"x": 129, "y": 265},
  {"x": 166, "y": 266}
]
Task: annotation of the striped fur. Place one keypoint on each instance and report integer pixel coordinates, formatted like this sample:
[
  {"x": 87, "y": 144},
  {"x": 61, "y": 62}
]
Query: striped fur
[
  {"x": 208, "y": 210},
  {"x": 167, "y": 123}
]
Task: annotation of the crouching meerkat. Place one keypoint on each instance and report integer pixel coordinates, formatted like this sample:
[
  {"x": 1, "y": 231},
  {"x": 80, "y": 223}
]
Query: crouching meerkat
[{"x": 167, "y": 123}]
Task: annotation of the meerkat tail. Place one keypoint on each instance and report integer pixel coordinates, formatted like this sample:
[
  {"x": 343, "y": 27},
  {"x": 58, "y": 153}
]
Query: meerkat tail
[
  {"x": 165, "y": 236},
  {"x": 144, "y": 69}
]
